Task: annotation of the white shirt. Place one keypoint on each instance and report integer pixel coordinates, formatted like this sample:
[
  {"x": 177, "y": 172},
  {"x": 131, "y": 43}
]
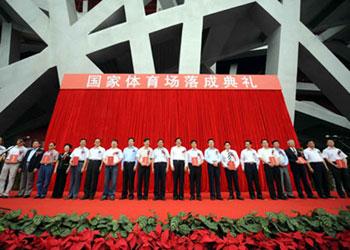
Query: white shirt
[
  {"x": 80, "y": 152},
  {"x": 313, "y": 155},
  {"x": 52, "y": 156},
  {"x": 2, "y": 149},
  {"x": 194, "y": 153},
  {"x": 96, "y": 153},
  {"x": 129, "y": 154},
  {"x": 178, "y": 153},
  {"x": 333, "y": 154},
  {"x": 19, "y": 151},
  {"x": 265, "y": 154},
  {"x": 249, "y": 156},
  {"x": 212, "y": 155},
  {"x": 225, "y": 157},
  {"x": 160, "y": 155},
  {"x": 144, "y": 152},
  {"x": 116, "y": 153},
  {"x": 281, "y": 156}
]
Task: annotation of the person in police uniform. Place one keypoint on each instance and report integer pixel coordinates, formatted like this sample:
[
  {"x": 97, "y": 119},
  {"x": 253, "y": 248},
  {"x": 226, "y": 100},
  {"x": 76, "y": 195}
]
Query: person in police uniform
[
  {"x": 94, "y": 166},
  {"x": 81, "y": 153},
  {"x": 129, "y": 166},
  {"x": 28, "y": 167},
  {"x": 213, "y": 158},
  {"x": 229, "y": 157},
  {"x": 177, "y": 164},
  {"x": 334, "y": 158},
  {"x": 318, "y": 168},
  {"x": 160, "y": 167},
  {"x": 250, "y": 165},
  {"x": 144, "y": 157},
  {"x": 193, "y": 163}
]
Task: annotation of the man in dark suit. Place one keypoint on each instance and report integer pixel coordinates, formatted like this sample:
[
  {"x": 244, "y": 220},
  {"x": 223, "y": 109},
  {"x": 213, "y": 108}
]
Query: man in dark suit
[
  {"x": 298, "y": 170},
  {"x": 28, "y": 167}
]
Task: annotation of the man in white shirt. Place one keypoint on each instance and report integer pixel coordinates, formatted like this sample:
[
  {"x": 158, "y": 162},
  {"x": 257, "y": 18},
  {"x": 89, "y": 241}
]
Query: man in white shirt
[
  {"x": 194, "y": 161},
  {"x": 160, "y": 166},
  {"x": 283, "y": 162},
  {"x": 230, "y": 162},
  {"x": 212, "y": 157},
  {"x": 338, "y": 164},
  {"x": 129, "y": 166},
  {"x": 144, "y": 157},
  {"x": 319, "y": 169},
  {"x": 250, "y": 165},
  {"x": 272, "y": 172},
  {"x": 111, "y": 159},
  {"x": 12, "y": 161},
  {"x": 299, "y": 170},
  {"x": 76, "y": 165},
  {"x": 93, "y": 169},
  {"x": 48, "y": 162},
  {"x": 177, "y": 164}
]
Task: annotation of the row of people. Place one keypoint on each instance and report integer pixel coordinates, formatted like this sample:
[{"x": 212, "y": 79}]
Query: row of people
[{"x": 275, "y": 162}]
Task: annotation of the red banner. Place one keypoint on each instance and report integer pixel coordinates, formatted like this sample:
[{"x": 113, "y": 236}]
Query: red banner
[{"x": 170, "y": 81}]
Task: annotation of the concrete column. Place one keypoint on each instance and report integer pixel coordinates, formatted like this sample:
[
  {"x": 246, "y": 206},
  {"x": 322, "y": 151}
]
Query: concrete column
[
  {"x": 5, "y": 44},
  {"x": 282, "y": 54}
]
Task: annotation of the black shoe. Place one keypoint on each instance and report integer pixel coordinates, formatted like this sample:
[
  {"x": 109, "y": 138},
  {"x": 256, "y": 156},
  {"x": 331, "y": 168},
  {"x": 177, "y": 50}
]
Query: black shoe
[
  {"x": 311, "y": 197},
  {"x": 91, "y": 198},
  {"x": 162, "y": 198},
  {"x": 175, "y": 197},
  {"x": 112, "y": 198},
  {"x": 273, "y": 198},
  {"x": 191, "y": 198},
  {"x": 26, "y": 196},
  {"x": 122, "y": 198},
  {"x": 42, "y": 197},
  {"x": 104, "y": 197},
  {"x": 252, "y": 197},
  {"x": 199, "y": 198},
  {"x": 283, "y": 198},
  {"x": 131, "y": 197},
  {"x": 291, "y": 196},
  {"x": 84, "y": 198},
  {"x": 331, "y": 197},
  {"x": 181, "y": 198},
  {"x": 260, "y": 197},
  {"x": 231, "y": 197},
  {"x": 145, "y": 198},
  {"x": 212, "y": 198},
  {"x": 75, "y": 198},
  {"x": 19, "y": 196},
  {"x": 323, "y": 197},
  {"x": 36, "y": 197},
  {"x": 240, "y": 198},
  {"x": 301, "y": 196},
  {"x": 219, "y": 198},
  {"x": 139, "y": 198},
  {"x": 155, "y": 198}
]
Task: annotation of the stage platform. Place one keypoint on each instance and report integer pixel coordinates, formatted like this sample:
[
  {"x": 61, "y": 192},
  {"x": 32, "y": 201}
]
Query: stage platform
[{"x": 135, "y": 208}]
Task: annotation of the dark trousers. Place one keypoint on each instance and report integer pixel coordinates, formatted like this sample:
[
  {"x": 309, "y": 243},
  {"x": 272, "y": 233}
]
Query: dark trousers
[
  {"x": 143, "y": 180},
  {"x": 75, "y": 178},
  {"x": 128, "y": 179},
  {"x": 195, "y": 180},
  {"x": 60, "y": 183},
  {"x": 320, "y": 176},
  {"x": 44, "y": 177},
  {"x": 341, "y": 178},
  {"x": 159, "y": 179},
  {"x": 252, "y": 175},
  {"x": 273, "y": 177},
  {"x": 232, "y": 176},
  {"x": 110, "y": 182},
  {"x": 214, "y": 180},
  {"x": 300, "y": 175},
  {"x": 91, "y": 179},
  {"x": 178, "y": 177}
]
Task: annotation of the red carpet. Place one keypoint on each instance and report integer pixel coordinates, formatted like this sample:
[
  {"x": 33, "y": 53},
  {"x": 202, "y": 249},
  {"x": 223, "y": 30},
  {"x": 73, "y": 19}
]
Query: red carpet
[{"x": 135, "y": 208}]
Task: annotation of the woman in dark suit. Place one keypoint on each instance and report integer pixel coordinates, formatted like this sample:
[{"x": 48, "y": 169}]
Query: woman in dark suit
[{"x": 61, "y": 171}]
